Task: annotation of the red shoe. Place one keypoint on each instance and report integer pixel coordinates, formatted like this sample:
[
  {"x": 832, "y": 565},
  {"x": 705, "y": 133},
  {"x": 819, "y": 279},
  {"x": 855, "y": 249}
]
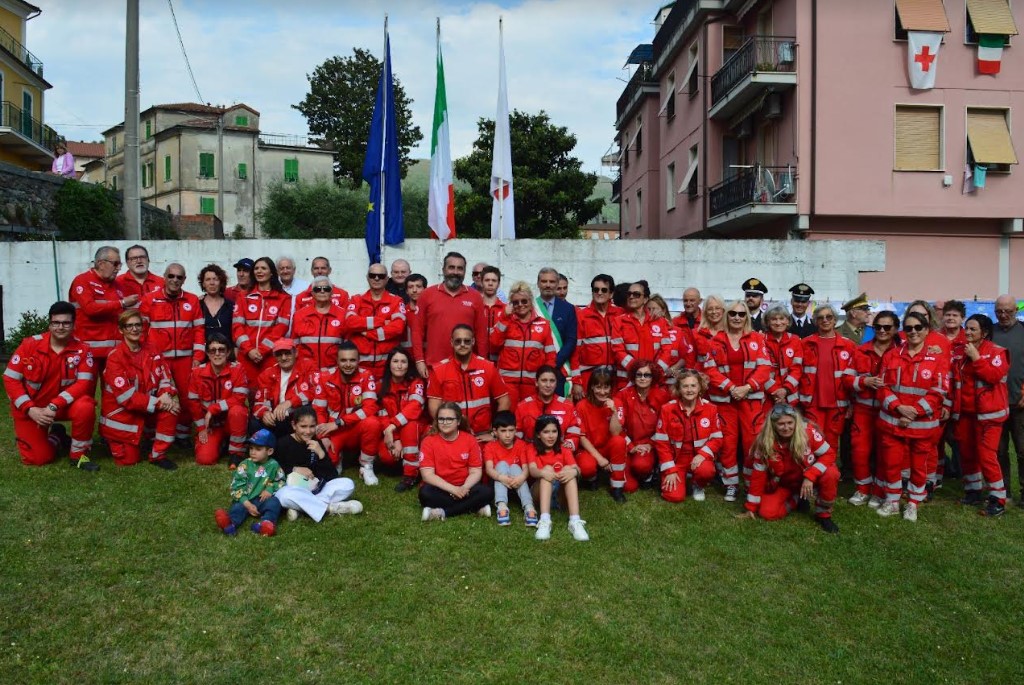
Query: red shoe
[
  {"x": 267, "y": 529},
  {"x": 222, "y": 518}
]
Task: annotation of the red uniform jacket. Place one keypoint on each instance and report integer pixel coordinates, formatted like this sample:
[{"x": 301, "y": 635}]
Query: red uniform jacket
[
  {"x": 175, "y": 328},
  {"x": 298, "y": 391},
  {"x": 599, "y": 343},
  {"x": 215, "y": 392},
  {"x": 757, "y": 366},
  {"x": 639, "y": 417},
  {"x": 99, "y": 304},
  {"x": 345, "y": 401},
  {"x": 680, "y": 436},
  {"x": 532, "y": 408},
  {"x": 132, "y": 381},
  {"x": 681, "y": 347},
  {"x": 842, "y": 361},
  {"x": 522, "y": 348},
  {"x": 127, "y": 284},
  {"x": 375, "y": 326},
  {"x": 866, "y": 363},
  {"x": 437, "y": 314},
  {"x": 787, "y": 358},
  {"x": 918, "y": 381},
  {"x": 475, "y": 389},
  {"x": 595, "y": 421},
  {"x": 493, "y": 313},
  {"x": 317, "y": 335},
  {"x": 647, "y": 339},
  {"x": 979, "y": 387},
  {"x": 339, "y": 298},
  {"x": 261, "y": 318},
  {"x": 403, "y": 404},
  {"x": 783, "y": 468},
  {"x": 37, "y": 376}
]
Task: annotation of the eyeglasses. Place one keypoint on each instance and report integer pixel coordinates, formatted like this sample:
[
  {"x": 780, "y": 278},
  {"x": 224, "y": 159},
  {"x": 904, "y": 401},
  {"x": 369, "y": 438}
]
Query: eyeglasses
[
  {"x": 446, "y": 419},
  {"x": 217, "y": 350},
  {"x": 519, "y": 303},
  {"x": 825, "y": 317},
  {"x": 132, "y": 326},
  {"x": 137, "y": 258},
  {"x": 738, "y": 315},
  {"x": 477, "y": 273},
  {"x": 377, "y": 277},
  {"x": 633, "y": 293},
  {"x": 61, "y": 324},
  {"x": 644, "y": 374},
  {"x": 462, "y": 341},
  {"x": 321, "y": 289},
  {"x": 116, "y": 265},
  {"x": 600, "y": 290},
  {"x": 882, "y": 326},
  {"x": 915, "y": 328},
  {"x": 175, "y": 277}
]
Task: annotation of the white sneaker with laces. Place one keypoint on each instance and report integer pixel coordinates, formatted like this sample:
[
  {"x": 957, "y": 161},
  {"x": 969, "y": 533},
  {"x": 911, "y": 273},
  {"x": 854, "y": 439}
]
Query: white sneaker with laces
[
  {"x": 369, "y": 477},
  {"x": 292, "y": 515},
  {"x": 698, "y": 494},
  {"x": 890, "y": 508},
  {"x": 578, "y": 530},
  {"x": 910, "y": 512},
  {"x": 875, "y": 502},
  {"x": 543, "y": 530},
  {"x": 858, "y": 499},
  {"x": 432, "y": 514},
  {"x": 730, "y": 493},
  {"x": 484, "y": 511},
  {"x": 351, "y": 506}
]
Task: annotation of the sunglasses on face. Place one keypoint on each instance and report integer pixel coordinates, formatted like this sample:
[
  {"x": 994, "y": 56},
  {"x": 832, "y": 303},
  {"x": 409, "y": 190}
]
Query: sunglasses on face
[
  {"x": 914, "y": 328},
  {"x": 645, "y": 374},
  {"x": 738, "y": 315},
  {"x": 477, "y": 273},
  {"x": 519, "y": 303},
  {"x": 600, "y": 290},
  {"x": 462, "y": 341},
  {"x": 217, "y": 350},
  {"x": 825, "y": 317},
  {"x": 321, "y": 289},
  {"x": 633, "y": 293},
  {"x": 377, "y": 277},
  {"x": 175, "y": 277},
  {"x": 882, "y": 326}
]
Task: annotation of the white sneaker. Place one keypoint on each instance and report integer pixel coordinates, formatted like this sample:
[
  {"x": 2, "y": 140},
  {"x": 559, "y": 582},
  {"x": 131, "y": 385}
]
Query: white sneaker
[
  {"x": 875, "y": 502},
  {"x": 350, "y": 506},
  {"x": 858, "y": 499},
  {"x": 698, "y": 494},
  {"x": 890, "y": 508},
  {"x": 543, "y": 530},
  {"x": 578, "y": 530},
  {"x": 910, "y": 512},
  {"x": 432, "y": 514},
  {"x": 369, "y": 477},
  {"x": 730, "y": 493},
  {"x": 484, "y": 511},
  {"x": 292, "y": 515}
]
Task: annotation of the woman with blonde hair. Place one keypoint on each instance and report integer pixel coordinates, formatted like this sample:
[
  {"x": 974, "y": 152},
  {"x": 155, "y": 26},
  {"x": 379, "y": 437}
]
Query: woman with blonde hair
[
  {"x": 791, "y": 461},
  {"x": 710, "y": 324},
  {"x": 523, "y": 341},
  {"x": 688, "y": 440}
]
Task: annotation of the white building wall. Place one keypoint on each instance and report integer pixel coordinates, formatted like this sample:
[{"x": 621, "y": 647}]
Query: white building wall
[{"x": 33, "y": 278}]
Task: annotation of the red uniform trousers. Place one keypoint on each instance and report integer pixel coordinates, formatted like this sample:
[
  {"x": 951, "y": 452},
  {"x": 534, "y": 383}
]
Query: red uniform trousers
[
  {"x": 830, "y": 421},
  {"x": 32, "y": 439},
  {"x": 233, "y": 429},
  {"x": 979, "y": 444},
  {"x": 410, "y": 436},
  {"x": 128, "y": 453},
  {"x": 701, "y": 477},
  {"x": 740, "y": 424},
  {"x": 365, "y": 435},
  {"x": 252, "y": 369},
  {"x": 894, "y": 451},
  {"x": 181, "y": 370},
  {"x": 862, "y": 445},
  {"x": 639, "y": 465},
  {"x": 614, "y": 451},
  {"x": 777, "y": 502}
]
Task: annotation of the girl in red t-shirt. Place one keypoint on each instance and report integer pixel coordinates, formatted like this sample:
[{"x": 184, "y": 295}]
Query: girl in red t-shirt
[
  {"x": 555, "y": 468},
  {"x": 451, "y": 467}
]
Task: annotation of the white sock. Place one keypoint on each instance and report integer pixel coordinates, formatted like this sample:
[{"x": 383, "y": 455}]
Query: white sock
[
  {"x": 574, "y": 517},
  {"x": 545, "y": 517}
]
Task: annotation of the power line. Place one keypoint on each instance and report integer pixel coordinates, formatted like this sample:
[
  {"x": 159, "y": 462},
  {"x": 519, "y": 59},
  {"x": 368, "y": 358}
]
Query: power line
[{"x": 184, "y": 54}]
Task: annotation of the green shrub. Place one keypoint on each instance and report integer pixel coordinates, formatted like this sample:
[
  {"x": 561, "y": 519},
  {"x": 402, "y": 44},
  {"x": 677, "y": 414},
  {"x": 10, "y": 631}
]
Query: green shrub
[
  {"x": 86, "y": 211},
  {"x": 30, "y": 323}
]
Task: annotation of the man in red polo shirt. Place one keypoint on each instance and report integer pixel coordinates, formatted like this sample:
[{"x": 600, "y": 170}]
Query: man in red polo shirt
[
  {"x": 138, "y": 279},
  {"x": 440, "y": 309}
]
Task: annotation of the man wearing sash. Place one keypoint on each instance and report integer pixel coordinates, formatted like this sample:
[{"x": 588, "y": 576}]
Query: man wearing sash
[{"x": 562, "y": 317}]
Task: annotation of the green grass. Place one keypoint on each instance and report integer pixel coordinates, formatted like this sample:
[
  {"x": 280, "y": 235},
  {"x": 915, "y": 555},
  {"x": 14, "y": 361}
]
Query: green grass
[{"x": 121, "y": 576}]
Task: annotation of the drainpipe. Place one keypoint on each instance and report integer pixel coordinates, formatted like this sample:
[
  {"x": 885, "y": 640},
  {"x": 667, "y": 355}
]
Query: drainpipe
[
  {"x": 704, "y": 125},
  {"x": 814, "y": 107}
]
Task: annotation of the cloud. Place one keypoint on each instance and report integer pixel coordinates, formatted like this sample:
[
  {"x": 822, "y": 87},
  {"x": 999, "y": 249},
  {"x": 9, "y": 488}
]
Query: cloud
[{"x": 564, "y": 57}]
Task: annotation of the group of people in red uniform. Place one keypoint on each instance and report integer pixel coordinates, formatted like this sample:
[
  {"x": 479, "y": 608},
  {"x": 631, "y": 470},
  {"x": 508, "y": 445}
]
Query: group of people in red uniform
[{"x": 757, "y": 400}]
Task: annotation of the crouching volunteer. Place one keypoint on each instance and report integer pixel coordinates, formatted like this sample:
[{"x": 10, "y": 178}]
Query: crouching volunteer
[
  {"x": 402, "y": 396},
  {"x": 285, "y": 386},
  {"x": 688, "y": 439},
  {"x": 50, "y": 379},
  {"x": 345, "y": 399},
  {"x": 137, "y": 389},
  {"x": 217, "y": 395},
  {"x": 791, "y": 462}
]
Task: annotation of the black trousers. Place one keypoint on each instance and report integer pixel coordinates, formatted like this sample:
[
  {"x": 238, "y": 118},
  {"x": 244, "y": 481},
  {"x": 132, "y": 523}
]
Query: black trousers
[{"x": 436, "y": 498}]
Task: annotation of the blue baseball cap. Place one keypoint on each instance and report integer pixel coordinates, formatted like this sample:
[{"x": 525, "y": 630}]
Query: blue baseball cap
[
  {"x": 245, "y": 263},
  {"x": 263, "y": 438}
]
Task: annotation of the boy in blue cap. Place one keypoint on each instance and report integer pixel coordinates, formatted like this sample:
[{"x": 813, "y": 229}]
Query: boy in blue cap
[{"x": 253, "y": 486}]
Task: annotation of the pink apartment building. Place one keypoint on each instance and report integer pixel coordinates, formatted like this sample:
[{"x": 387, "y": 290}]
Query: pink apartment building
[{"x": 796, "y": 119}]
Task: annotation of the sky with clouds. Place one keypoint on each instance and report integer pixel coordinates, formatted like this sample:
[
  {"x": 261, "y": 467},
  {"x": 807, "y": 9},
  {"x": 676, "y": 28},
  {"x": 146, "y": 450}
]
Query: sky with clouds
[{"x": 563, "y": 56}]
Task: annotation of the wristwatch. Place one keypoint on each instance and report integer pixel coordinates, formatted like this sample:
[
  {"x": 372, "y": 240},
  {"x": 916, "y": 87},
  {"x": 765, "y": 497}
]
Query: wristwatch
[
  {"x": 338, "y": 422},
  {"x": 52, "y": 407}
]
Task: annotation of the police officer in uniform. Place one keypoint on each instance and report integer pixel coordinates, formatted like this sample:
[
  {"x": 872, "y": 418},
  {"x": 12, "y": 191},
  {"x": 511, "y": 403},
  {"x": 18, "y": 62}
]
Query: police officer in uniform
[
  {"x": 753, "y": 293},
  {"x": 801, "y": 323}
]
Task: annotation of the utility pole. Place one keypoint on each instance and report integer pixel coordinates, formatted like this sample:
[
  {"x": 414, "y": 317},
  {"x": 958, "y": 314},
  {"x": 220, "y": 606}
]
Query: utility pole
[
  {"x": 220, "y": 169},
  {"x": 132, "y": 193}
]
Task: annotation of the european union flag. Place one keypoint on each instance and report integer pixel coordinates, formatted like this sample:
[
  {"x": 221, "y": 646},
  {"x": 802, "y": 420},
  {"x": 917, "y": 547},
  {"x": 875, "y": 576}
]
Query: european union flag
[{"x": 384, "y": 224}]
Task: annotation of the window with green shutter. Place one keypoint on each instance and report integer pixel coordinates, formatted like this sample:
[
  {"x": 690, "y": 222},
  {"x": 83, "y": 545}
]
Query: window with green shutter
[
  {"x": 167, "y": 167},
  {"x": 113, "y": 183},
  {"x": 206, "y": 165},
  {"x": 291, "y": 170},
  {"x": 149, "y": 129},
  {"x": 207, "y": 205},
  {"x": 241, "y": 120},
  {"x": 142, "y": 170},
  {"x": 243, "y": 171},
  {"x": 151, "y": 172}
]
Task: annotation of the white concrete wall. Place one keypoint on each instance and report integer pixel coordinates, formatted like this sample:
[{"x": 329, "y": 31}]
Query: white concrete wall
[{"x": 30, "y": 275}]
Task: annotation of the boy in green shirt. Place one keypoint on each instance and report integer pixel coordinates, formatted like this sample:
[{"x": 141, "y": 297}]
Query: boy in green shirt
[{"x": 253, "y": 486}]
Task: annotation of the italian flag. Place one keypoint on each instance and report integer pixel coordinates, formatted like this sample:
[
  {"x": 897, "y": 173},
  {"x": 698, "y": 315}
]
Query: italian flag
[
  {"x": 441, "y": 198},
  {"x": 990, "y": 52}
]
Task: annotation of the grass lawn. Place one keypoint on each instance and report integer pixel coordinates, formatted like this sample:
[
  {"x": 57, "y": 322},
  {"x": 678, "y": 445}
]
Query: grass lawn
[{"x": 121, "y": 576}]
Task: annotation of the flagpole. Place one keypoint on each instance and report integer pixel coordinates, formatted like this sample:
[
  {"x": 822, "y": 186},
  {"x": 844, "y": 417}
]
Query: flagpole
[
  {"x": 383, "y": 178},
  {"x": 501, "y": 181}
]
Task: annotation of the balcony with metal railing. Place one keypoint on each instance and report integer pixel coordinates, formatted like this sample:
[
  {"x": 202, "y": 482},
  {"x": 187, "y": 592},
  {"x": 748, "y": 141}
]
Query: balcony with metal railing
[
  {"x": 641, "y": 84},
  {"x": 21, "y": 53},
  {"x": 291, "y": 140},
  {"x": 686, "y": 16},
  {"x": 753, "y": 195},
  {"x": 25, "y": 136},
  {"x": 762, "y": 64}
]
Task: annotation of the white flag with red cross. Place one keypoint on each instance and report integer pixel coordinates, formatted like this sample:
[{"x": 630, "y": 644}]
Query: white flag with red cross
[{"x": 922, "y": 58}]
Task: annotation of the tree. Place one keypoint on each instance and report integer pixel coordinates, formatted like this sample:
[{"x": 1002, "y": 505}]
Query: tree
[
  {"x": 550, "y": 190},
  {"x": 339, "y": 107}
]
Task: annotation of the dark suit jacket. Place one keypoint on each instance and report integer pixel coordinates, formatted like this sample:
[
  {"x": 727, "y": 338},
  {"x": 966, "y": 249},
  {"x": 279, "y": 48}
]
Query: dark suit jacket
[
  {"x": 563, "y": 317},
  {"x": 803, "y": 331}
]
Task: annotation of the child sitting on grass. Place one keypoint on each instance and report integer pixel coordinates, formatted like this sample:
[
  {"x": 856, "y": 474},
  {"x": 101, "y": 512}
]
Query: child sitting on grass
[
  {"x": 554, "y": 466},
  {"x": 505, "y": 464},
  {"x": 253, "y": 486}
]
